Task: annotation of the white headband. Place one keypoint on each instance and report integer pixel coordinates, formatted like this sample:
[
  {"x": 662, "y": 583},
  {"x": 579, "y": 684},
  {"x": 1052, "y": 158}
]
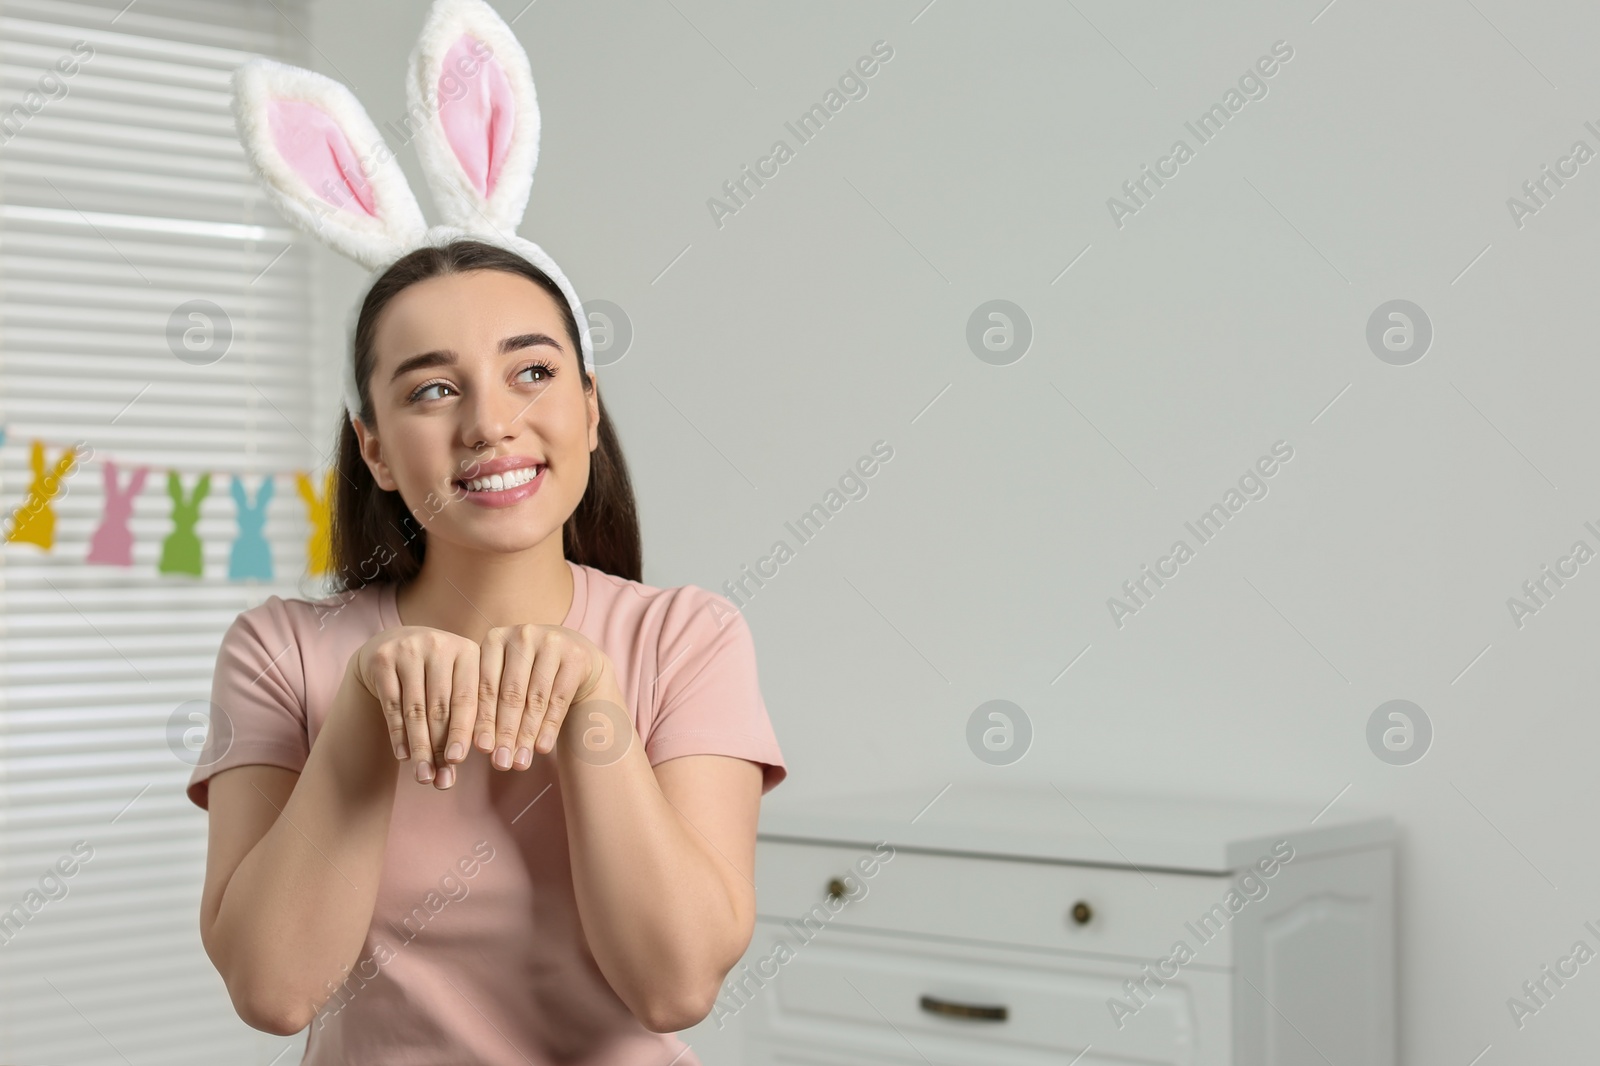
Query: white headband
[{"x": 470, "y": 100}]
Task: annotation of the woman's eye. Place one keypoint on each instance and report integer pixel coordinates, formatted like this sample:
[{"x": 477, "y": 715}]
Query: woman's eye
[
  {"x": 422, "y": 393},
  {"x": 540, "y": 368}
]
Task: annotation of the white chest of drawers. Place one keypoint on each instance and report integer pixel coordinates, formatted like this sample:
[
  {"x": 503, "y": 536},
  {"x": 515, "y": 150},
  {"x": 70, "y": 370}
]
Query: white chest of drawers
[{"x": 1015, "y": 926}]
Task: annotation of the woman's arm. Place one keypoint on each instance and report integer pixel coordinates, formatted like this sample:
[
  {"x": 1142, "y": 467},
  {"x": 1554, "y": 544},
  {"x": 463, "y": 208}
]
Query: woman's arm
[
  {"x": 292, "y": 866},
  {"x": 662, "y": 865}
]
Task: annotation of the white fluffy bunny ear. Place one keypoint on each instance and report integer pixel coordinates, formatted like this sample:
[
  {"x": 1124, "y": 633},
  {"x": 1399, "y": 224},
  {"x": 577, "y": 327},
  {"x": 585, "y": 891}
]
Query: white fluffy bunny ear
[
  {"x": 471, "y": 85},
  {"x": 322, "y": 162}
]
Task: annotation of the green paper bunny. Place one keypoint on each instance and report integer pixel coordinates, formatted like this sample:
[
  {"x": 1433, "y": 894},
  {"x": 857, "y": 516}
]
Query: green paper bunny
[{"x": 180, "y": 552}]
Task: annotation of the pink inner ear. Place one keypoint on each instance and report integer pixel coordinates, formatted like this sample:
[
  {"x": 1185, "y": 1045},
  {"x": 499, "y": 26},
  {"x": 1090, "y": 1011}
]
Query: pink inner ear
[
  {"x": 477, "y": 110},
  {"x": 312, "y": 143}
]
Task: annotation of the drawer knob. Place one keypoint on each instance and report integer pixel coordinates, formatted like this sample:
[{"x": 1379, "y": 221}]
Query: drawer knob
[
  {"x": 951, "y": 1009},
  {"x": 1082, "y": 912}
]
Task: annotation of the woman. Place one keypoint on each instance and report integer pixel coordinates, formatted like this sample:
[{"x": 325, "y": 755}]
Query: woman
[{"x": 496, "y": 801}]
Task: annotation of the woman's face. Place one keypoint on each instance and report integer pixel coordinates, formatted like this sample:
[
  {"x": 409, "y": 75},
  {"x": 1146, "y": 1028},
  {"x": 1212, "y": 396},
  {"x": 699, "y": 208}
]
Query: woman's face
[{"x": 474, "y": 375}]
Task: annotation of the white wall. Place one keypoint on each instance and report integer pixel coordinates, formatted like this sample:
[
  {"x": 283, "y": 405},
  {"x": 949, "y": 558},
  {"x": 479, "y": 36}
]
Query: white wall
[{"x": 1226, "y": 315}]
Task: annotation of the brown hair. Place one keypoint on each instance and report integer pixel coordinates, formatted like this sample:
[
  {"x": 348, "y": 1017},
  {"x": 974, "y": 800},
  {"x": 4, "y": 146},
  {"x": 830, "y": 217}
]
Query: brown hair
[{"x": 376, "y": 539}]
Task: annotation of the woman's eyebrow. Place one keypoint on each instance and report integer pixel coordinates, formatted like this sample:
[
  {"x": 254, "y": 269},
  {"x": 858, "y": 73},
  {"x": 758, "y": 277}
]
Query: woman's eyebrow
[
  {"x": 445, "y": 357},
  {"x": 442, "y": 357},
  {"x": 527, "y": 340}
]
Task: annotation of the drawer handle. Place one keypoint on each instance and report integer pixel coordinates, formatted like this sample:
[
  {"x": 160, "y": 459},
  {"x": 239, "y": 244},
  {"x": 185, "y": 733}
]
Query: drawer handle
[
  {"x": 1082, "y": 912},
  {"x": 951, "y": 1009}
]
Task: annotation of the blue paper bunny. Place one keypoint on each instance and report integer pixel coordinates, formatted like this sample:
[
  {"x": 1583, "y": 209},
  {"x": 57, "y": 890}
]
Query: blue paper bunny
[{"x": 251, "y": 557}]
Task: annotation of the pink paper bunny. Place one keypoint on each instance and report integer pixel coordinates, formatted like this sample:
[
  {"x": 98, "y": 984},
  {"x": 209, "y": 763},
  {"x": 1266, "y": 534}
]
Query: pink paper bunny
[{"x": 112, "y": 543}]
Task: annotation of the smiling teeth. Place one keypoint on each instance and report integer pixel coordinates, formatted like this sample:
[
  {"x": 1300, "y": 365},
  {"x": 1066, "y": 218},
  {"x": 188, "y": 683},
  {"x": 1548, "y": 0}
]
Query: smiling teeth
[{"x": 509, "y": 480}]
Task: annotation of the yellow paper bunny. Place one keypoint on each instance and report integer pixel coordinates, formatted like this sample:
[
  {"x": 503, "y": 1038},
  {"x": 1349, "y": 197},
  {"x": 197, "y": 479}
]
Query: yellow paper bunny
[
  {"x": 320, "y": 541},
  {"x": 35, "y": 521}
]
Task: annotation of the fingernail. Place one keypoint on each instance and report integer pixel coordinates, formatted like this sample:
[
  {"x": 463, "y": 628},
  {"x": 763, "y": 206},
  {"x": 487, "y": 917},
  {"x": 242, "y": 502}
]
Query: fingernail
[
  {"x": 454, "y": 751},
  {"x": 447, "y": 776},
  {"x": 524, "y": 757},
  {"x": 485, "y": 741},
  {"x": 400, "y": 751},
  {"x": 424, "y": 772},
  {"x": 502, "y": 757}
]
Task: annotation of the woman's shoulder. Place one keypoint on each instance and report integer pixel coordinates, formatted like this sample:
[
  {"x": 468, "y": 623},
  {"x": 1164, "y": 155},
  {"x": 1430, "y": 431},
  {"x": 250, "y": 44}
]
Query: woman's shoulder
[
  {"x": 299, "y": 619},
  {"x": 297, "y": 642},
  {"x": 675, "y": 607}
]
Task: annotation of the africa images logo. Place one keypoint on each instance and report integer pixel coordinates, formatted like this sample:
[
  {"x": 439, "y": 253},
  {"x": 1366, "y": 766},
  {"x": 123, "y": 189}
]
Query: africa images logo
[{"x": 1205, "y": 128}]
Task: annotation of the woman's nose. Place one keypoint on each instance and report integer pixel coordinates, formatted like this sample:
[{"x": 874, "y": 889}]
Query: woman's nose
[{"x": 490, "y": 415}]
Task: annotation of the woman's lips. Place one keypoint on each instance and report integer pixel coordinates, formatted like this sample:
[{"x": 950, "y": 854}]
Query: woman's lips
[{"x": 503, "y": 497}]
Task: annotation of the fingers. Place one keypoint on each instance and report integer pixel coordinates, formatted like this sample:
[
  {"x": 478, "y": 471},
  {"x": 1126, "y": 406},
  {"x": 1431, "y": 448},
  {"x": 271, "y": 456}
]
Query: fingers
[
  {"x": 463, "y": 712},
  {"x": 491, "y": 660},
  {"x": 546, "y": 665},
  {"x": 410, "y": 669},
  {"x": 571, "y": 674},
  {"x": 516, "y": 673},
  {"x": 527, "y": 676},
  {"x": 387, "y": 683},
  {"x": 427, "y": 683},
  {"x": 438, "y": 677}
]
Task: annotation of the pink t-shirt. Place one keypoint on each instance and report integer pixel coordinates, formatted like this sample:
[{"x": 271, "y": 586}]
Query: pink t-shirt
[{"x": 475, "y": 953}]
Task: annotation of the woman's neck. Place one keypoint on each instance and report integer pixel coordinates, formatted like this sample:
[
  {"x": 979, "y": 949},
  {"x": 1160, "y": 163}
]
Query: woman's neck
[{"x": 470, "y": 593}]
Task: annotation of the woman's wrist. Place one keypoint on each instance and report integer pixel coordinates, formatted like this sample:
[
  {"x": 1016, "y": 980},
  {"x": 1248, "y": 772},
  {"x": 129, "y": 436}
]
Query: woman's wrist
[
  {"x": 598, "y": 727},
  {"x": 605, "y": 686}
]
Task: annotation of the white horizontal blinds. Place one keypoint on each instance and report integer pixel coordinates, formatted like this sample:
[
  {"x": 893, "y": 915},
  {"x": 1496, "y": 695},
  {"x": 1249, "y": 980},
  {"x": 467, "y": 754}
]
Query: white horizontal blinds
[{"x": 124, "y": 195}]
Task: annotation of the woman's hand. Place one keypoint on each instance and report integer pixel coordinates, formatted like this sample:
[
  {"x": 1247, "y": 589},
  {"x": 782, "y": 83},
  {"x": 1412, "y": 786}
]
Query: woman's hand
[
  {"x": 529, "y": 675},
  {"x": 426, "y": 680}
]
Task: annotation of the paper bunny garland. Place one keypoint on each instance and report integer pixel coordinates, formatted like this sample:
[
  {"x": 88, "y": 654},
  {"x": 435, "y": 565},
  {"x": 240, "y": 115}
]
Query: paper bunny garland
[{"x": 325, "y": 167}]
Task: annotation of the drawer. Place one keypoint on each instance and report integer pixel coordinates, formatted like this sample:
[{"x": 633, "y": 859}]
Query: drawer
[
  {"x": 868, "y": 998},
  {"x": 1131, "y": 914}
]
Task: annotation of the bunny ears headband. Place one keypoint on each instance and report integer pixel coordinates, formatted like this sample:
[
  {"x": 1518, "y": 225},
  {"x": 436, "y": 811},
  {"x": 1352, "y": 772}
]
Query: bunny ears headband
[{"x": 471, "y": 106}]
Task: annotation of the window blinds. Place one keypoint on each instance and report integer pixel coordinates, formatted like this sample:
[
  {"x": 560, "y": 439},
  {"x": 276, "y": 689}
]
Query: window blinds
[{"x": 154, "y": 311}]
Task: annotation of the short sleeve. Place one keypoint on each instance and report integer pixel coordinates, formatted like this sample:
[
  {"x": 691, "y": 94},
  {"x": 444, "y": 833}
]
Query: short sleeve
[
  {"x": 708, "y": 696},
  {"x": 258, "y": 701}
]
